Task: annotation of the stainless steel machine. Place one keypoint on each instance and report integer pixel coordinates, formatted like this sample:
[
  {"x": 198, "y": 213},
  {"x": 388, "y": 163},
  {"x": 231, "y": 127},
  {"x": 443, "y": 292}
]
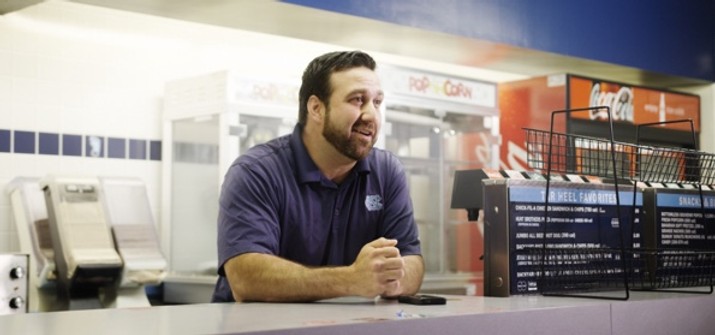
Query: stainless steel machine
[{"x": 13, "y": 283}]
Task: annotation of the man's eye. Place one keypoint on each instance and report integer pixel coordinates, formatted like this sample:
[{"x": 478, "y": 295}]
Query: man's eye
[
  {"x": 377, "y": 102},
  {"x": 357, "y": 100}
]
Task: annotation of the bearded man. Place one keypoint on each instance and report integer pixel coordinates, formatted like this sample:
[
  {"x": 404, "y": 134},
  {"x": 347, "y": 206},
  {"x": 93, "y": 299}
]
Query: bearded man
[{"x": 320, "y": 213}]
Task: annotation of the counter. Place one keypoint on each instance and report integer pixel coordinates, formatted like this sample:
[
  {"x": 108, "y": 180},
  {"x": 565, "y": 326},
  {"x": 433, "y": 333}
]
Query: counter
[{"x": 645, "y": 313}]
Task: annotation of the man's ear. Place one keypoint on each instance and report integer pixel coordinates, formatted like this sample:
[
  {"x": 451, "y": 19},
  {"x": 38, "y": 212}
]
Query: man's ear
[{"x": 316, "y": 109}]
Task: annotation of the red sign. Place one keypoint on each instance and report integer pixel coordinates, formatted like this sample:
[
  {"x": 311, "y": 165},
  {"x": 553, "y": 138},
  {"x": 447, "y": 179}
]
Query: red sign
[
  {"x": 526, "y": 103},
  {"x": 632, "y": 104}
]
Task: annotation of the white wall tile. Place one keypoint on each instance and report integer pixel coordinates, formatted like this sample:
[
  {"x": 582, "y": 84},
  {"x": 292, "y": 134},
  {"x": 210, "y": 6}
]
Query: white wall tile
[
  {"x": 6, "y": 173},
  {"x": 24, "y": 116},
  {"x": 24, "y": 41},
  {"x": 71, "y": 121},
  {"x": 49, "y": 118},
  {"x": 5, "y": 101},
  {"x": 26, "y": 165},
  {"x": 5, "y": 38},
  {"x": 48, "y": 92},
  {"x": 45, "y": 164},
  {"x": 72, "y": 165},
  {"x": 4, "y": 198},
  {"x": 8, "y": 234},
  {"x": 74, "y": 93},
  {"x": 24, "y": 65},
  {"x": 8, "y": 243},
  {"x": 5, "y": 62},
  {"x": 24, "y": 90},
  {"x": 55, "y": 69}
]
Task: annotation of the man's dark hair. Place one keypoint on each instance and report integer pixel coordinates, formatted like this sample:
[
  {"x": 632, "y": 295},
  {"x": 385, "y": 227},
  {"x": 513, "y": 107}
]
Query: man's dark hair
[{"x": 316, "y": 77}]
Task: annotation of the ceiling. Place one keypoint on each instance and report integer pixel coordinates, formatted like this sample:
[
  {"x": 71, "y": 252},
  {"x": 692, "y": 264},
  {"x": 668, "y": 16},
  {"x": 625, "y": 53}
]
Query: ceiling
[
  {"x": 278, "y": 18},
  {"x": 7, "y": 6}
]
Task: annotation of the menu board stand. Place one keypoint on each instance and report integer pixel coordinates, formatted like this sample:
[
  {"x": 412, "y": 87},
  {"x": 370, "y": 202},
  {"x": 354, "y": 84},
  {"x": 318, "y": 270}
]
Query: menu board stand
[{"x": 626, "y": 264}]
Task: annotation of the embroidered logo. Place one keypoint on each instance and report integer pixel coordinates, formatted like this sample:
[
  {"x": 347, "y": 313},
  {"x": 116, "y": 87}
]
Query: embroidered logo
[{"x": 373, "y": 202}]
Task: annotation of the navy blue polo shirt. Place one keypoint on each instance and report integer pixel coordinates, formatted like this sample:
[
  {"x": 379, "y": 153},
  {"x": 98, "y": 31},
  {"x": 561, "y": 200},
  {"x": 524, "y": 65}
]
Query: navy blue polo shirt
[{"x": 274, "y": 200}]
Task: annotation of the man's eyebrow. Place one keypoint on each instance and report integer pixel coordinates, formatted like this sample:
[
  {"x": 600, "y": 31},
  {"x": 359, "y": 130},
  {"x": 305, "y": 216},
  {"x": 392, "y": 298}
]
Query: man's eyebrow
[{"x": 363, "y": 90}]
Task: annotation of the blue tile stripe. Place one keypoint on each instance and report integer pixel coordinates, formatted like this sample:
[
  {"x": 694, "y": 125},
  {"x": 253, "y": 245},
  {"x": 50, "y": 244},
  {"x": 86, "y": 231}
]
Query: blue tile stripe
[
  {"x": 116, "y": 148},
  {"x": 4, "y": 140},
  {"x": 94, "y": 146},
  {"x": 49, "y": 144},
  {"x": 24, "y": 142},
  {"x": 137, "y": 149},
  {"x": 155, "y": 150},
  {"x": 71, "y": 145},
  {"x": 77, "y": 145}
]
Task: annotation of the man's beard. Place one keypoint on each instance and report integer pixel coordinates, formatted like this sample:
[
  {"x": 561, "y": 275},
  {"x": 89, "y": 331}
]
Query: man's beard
[{"x": 343, "y": 144}]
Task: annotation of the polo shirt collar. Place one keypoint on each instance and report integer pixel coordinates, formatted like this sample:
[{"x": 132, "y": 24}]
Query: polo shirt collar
[{"x": 307, "y": 171}]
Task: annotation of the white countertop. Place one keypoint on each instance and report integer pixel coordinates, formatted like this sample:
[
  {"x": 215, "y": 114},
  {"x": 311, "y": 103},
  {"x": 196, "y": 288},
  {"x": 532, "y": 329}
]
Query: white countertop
[{"x": 646, "y": 313}]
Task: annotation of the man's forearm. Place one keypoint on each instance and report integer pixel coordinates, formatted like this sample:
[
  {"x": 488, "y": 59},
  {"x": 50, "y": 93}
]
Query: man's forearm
[
  {"x": 414, "y": 273},
  {"x": 261, "y": 277},
  {"x": 377, "y": 270},
  {"x": 411, "y": 282}
]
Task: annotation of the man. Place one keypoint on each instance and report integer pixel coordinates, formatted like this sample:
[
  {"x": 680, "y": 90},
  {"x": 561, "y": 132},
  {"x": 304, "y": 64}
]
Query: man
[{"x": 320, "y": 213}]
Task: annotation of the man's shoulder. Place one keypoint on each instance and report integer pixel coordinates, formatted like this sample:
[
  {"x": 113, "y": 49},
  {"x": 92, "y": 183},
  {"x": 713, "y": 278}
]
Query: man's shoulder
[
  {"x": 384, "y": 162},
  {"x": 266, "y": 154},
  {"x": 382, "y": 156}
]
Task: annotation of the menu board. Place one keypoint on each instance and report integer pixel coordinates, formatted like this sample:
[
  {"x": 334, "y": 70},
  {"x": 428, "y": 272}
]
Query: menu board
[
  {"x": 679, "y": 221},
  {"x": 679, "y": 229},
  {"x": 663, "y": 238},
  {"x": 580, "y": 217}
]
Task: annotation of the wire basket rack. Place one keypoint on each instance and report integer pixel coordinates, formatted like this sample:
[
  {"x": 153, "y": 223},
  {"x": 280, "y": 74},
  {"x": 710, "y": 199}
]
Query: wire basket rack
[
  {"x": 575, "y": 154},
  {"x": 585, "y": 272}
]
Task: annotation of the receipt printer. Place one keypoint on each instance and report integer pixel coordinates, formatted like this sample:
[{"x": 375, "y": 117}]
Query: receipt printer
[{"x": 85, "y": 255}]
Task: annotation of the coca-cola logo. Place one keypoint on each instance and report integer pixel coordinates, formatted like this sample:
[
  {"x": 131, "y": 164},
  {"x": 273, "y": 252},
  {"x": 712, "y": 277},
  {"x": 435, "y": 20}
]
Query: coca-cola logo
[{"x": 620, "y": 103}]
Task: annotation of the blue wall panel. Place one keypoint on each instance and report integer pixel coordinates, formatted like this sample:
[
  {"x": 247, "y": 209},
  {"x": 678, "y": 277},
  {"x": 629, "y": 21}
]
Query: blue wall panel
[{"x": 674, "y": 37}]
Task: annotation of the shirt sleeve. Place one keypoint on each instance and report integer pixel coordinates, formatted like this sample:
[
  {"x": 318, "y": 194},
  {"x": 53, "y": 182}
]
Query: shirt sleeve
[
  {"x": 247, "y": 219},
  {"x": 399, "y": 221}
]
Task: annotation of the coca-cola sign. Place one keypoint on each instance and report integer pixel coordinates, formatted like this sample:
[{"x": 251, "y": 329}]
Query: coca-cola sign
[
  {"x": 632, "y": 104},
  {"x": 620, "y": 102}
]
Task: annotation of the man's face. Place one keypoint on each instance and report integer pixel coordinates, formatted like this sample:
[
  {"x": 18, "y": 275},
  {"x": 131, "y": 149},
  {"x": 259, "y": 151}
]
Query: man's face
[{"x": 352, "y": 117}]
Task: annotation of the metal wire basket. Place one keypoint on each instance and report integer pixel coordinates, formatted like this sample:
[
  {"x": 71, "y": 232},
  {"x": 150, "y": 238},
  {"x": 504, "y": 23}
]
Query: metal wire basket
[
  {"x": 575, "y": 154},
  {"x": 570, "y": 271}
]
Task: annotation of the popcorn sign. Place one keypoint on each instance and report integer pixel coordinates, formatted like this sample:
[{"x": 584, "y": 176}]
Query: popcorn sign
[{"x": 440, "y": 87}]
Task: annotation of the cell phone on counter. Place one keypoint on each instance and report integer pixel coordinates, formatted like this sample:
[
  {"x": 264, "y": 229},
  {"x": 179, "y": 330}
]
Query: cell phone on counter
[{"x": 422, "y": 299}]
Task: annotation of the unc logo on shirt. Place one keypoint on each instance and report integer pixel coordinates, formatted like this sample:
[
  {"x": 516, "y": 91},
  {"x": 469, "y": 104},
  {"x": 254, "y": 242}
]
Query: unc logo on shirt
[{"x": 373, "y": 202}]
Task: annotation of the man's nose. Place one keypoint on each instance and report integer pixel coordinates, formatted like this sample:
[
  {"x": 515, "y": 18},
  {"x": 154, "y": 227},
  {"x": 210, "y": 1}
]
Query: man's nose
[{"x": 370, "y": 112}]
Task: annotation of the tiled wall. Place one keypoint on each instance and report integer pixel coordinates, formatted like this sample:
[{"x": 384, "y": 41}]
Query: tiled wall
[
  {"x": 44, "y": 143},
  {"x": 69, "y": 105},
  {"x": 81, "y": 90},
  {"x": 31, "y": 146}
]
